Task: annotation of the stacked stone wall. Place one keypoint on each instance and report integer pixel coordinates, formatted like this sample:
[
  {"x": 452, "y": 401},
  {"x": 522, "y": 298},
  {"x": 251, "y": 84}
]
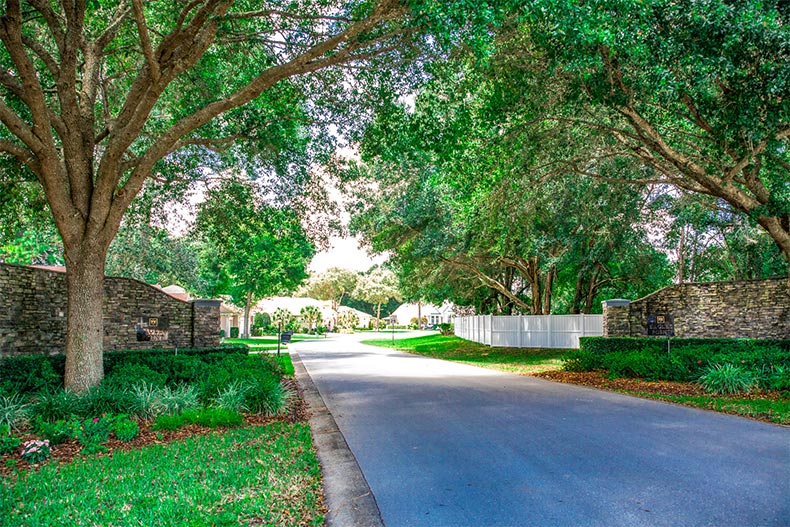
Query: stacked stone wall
[
  {"x": 740, "y": 309},
  {"x": 33, "y": 314}
]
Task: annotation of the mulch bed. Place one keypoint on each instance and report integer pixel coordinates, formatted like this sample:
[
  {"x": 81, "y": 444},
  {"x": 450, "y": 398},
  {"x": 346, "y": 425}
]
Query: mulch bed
[
  {"x": 71, "y": 449},
  {"x": 597, "y": 379}
]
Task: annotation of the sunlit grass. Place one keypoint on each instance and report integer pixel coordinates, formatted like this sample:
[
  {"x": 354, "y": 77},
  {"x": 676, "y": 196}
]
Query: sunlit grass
[
  {"x": 777, "y": 411},
  {"x": 515, "y": 360},
  {"x": 266, "y": 475}
]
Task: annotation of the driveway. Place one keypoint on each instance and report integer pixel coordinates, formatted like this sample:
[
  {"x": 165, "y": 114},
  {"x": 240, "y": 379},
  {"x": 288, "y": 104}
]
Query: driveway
[{"x": 444, "y": 444}]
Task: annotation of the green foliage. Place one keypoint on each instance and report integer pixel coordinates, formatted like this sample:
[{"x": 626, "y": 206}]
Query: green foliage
[
  {"x": 93, "y": 430},
  {"x": 446, "y": 329},
  {"x": 685, "y": 360},
  {"x": 57, "y": 432},
  {"x": 232, "y": 397},
  {"x": 31, "y": 373},
  {"x": 261, "y": 249},
  {"x": 53, "y": 406},
  {"x": 127, "y": 375},
  {"x": 14, "y": 412},
  {"x": 125, "y": 429},
  {"x": 209, "y": 417},
  {"x": 8, "y": 442},
  {"x": 727, "y": 379},
  {"x": 268, "y": 397},
  {"x": 234, "y": 332}
]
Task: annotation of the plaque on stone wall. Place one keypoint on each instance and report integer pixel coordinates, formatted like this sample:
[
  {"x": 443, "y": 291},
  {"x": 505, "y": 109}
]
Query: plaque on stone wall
[
  {"x": 660, "y": 325},
  {"x": 152, "y": 328}
]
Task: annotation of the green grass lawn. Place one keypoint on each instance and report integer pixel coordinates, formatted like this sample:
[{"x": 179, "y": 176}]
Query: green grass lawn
[
  {"x": 269, "y": 342},
  {"x": 515, "y": 360},
  {"x": 263, "y": 475}
]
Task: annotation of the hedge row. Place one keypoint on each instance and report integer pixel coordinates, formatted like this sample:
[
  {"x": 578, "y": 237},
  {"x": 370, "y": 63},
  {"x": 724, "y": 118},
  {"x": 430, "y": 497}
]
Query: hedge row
[
  {"x": 685, "y": 359},
  {"x": 34, "y": 373}
]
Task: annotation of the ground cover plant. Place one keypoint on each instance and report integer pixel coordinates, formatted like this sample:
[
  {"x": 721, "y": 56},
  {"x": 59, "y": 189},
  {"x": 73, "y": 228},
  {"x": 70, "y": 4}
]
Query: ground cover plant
[
  {"x": 514, "y": 360},
  {"x": 267, "y": 342}
]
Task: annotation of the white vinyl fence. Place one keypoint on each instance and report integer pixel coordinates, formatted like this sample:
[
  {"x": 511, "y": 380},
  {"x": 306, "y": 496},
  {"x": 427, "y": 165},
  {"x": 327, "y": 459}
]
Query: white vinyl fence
[{"x": 529, "y": 331}]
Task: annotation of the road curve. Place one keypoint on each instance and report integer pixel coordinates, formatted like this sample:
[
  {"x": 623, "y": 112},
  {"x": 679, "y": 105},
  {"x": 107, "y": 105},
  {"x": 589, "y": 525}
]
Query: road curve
[{"x": 445, "y": 444}]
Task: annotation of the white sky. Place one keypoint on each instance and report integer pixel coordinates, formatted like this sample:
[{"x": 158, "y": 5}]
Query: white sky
[{"x": 346, "y": 254}]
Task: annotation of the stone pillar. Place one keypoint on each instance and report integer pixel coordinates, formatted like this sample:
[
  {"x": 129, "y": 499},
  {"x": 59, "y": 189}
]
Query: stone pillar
[
  {"x": 616, "y": 314},
  {"x": 205, "y": 323}
]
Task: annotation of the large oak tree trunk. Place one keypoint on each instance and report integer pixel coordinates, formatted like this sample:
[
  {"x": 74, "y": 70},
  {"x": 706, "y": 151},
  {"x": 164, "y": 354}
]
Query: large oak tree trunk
[{"x": 85, "y": 330}]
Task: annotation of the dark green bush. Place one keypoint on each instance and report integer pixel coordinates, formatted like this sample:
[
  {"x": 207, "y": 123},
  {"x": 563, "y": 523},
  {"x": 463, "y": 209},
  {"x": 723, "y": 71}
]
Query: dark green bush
[
  {"x": 37, "y": 373},
  {"x": 234, "y": 332},
  {"x": 125, "y": 429},
  {"x": 57, "y": 432},
  {"x": 8, "y": 441},
  {"x": 125, "y": 376},
  {"x": 53, "y": 406},
  {"x": 31, "y": 373},
  {"x": 685, "y": 360},
  {"x": 94, "y": 430}
]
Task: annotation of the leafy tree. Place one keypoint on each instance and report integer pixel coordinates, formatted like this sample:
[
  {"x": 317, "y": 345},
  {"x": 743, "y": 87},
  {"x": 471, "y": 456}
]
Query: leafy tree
[
  {"x": 311, "y": 317},
  {"x": 377, "y": 286},
  {"x": 695, "y": 91},
  {"x": 99, "y": 98},
  {"x": 261, "y": 249},
  {"x": 281, "y": 318},
  {"x": 334, "y": 285}
]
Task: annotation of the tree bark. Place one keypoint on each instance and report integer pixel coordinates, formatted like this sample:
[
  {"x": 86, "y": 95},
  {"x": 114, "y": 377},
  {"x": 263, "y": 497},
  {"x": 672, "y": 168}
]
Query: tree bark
[
  {"x": 247, "y": 324},
  {"x": 85, "y": 328},
  {"x": 378, "y": 315}
]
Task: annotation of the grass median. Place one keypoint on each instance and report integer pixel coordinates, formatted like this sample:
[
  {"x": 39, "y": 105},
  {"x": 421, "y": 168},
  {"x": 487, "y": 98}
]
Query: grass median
[{"x": 524, "y": 361}]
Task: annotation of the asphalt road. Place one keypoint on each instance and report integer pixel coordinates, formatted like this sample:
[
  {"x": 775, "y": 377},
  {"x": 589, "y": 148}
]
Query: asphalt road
[{"x": 444, "y": 444}]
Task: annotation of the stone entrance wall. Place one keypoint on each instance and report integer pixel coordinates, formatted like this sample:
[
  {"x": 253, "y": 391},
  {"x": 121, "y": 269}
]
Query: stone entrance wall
[
  {"x": 136, "y": 315},
  {"x": 757, "y": 309}
]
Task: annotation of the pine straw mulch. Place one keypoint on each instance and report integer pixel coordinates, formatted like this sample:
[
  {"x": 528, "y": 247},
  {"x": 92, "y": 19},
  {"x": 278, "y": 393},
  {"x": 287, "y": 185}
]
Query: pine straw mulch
[{"x": 66, "y": 452}]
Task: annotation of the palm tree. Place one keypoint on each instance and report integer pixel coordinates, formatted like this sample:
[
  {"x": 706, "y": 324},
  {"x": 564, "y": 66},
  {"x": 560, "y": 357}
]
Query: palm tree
[{"x": 311, "y": 317}]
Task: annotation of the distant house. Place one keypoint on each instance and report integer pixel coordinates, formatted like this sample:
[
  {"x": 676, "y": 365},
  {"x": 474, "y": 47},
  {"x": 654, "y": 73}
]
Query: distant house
[
  {"x": 362, "y": 317},
  {"x": 431, "y": 313},
  {"x": 230, "y": 316}
]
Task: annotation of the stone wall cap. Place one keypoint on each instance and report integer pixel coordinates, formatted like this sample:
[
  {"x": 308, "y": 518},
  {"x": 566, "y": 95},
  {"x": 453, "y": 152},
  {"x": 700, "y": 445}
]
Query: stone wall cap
[
  {"x": 203, "y": 302},
  {"x": 616, "y": 302}
]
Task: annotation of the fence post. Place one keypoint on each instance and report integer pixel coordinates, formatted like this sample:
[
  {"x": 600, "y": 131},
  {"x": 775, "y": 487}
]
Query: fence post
[
  {"x": 551, "y": 332},
  {"x": 490, "y": 330},
  {"x": 520, "y": 330}
]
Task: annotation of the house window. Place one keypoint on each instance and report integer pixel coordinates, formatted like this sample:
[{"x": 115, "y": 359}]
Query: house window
[{"x": 435, "y": 319}]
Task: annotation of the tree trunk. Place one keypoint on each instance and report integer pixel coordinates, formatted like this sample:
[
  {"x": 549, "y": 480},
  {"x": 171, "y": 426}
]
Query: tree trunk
[
  {"x": 85, "y": 329},
  {"x": 378, "y": 315},
  {"x": 547, "y": 290},
  {"x": 247, "y": 324},
  {"x": 419, "y": 315}
]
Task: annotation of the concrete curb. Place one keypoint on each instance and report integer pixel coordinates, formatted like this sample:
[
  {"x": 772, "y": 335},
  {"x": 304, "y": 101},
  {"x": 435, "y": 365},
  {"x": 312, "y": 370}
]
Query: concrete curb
[{"x": 348, "y": 496}]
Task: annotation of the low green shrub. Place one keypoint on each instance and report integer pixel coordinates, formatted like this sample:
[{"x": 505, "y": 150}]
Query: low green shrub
[
  {"x": 775, "y": 377},
  {"x": 104, "y": 399},
  {"x": 93, "y": 430},
  {"x": 269, "y": 397},
  {"x": 728, "y": 379},
  {"x": 57, "y": 432},
  {"x": 168, "y": 422},
  {"x": 125, "y": 376},
  {"x": 683, "y": 361},
  {"x": 125, "y": 429},
  {"x": 232, "y": 397},
  {"x": 14, "y": 412},
  {"x": 8, "y": 442},
  {"x": 234, "y": 332},
  {"x": 446, "y": 329},
  {"x": 31, "y": 373}
]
